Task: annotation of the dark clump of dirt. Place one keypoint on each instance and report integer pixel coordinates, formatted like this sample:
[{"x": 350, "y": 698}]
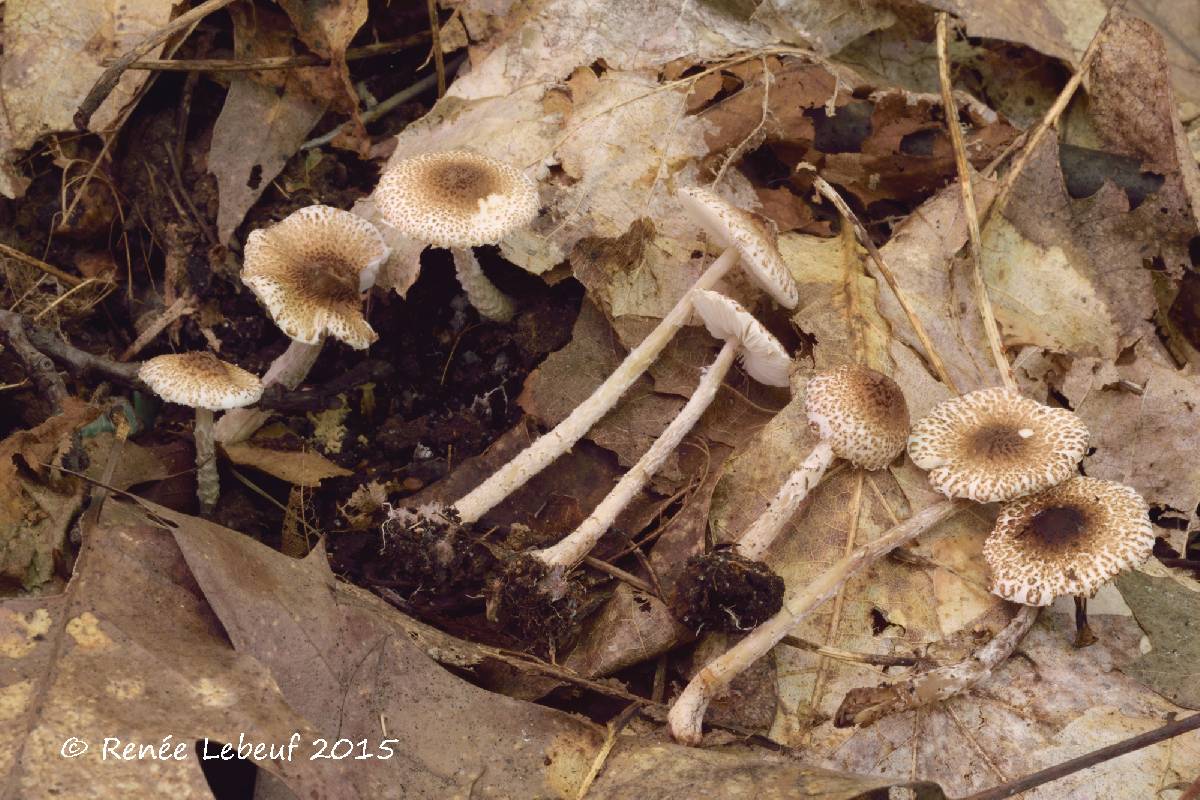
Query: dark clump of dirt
[
  {"x": 535, "y": 603},
  {"x": 422, "y": 554},
  {"x": 726, "y": 592}
]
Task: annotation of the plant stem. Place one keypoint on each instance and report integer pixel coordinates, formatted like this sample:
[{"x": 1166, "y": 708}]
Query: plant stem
[
  {"x": 982, "y": 300},
  {"x": 758, "y": 538},
  {"x": 687, "y": 714},
  {"x": 289, "y": 369},
  {"x": 489, "y": 301},
  {"x": 868, "y": 705},
  {"x": 564, "y": 435},
  {"x": 208, "y": 481},
  {"x": 571, "y": 550}
]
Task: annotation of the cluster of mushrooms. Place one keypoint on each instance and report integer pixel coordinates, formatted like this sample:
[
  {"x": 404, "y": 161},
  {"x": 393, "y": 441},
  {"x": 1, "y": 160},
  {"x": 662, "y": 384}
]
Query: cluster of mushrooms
[{"x": 1058, "y": 534}]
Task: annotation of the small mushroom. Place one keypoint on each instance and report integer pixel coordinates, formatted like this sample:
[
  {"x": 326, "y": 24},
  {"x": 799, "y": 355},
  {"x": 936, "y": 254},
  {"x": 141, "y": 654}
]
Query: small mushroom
[
  {"x": 763, "y": 358},
  {"x": 1069, "y": 539},
  {"x": 459, "y": 200},
  {"x": 310, "y": 271},
  {"x": 206, "y": 383},
  {"x": 861, "y": 416},
  {"x": 748, "y": 243},
  {"x": 994, "y": 445}
]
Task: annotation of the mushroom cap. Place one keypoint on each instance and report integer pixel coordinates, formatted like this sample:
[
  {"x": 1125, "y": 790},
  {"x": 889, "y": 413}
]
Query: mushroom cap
[
  {"x": 456, "y": 198},
  {"x": 755, "y": 243},
  {"x": 993, "y": 444},
  {"x": 310, "y": 270},
  {"x": 200, "y": 380},
  {"x": 860, "y": 412},
  {"x": 761, "y": 354},
  {"x": 1069, "y": 539}
]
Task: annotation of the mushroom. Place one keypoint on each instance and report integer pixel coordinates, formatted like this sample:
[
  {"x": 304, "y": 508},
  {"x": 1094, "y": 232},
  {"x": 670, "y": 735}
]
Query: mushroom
[
  {"x": 459, "y": 200},
  {"x": 762, "y": 357},
  {"x": 747, "y": 242},
  {"x": 988, "y": 445},
  {"x": 1069, "y": 539},
  {"x": 206, "y": 383},
  {"x": 993, "y": 445},
  {"x": 310, "y": 271},
  {"x": 542, "y": 573}
]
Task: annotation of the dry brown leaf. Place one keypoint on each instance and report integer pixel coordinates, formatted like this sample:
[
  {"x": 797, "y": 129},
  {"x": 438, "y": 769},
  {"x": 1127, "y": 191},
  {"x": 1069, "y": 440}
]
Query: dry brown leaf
[
  {"x": 263, "y": 122},
  {"x": 307, "y": 468},
  {"x": 146, "y": 666},
  {"x": 53, "y": 54}
]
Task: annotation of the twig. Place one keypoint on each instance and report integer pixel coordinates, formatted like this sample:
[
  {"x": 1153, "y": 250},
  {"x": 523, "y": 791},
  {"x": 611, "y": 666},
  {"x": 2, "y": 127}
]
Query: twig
[
  {"x": 1053, "y": 113},
  {"x": 621, "y": 575},
  {"x": 874, "y": 659},
  {"x": 49, "y": 269},
  {"x": 869, "y": 705},
  {"x": 736, "y": 152},
  {"x": 950, "y": 108},
  {"x": 435, "y": 32},
  {"x": 935, "y": 360},
  {"x": 268, "y": 62},
  {"x": 181, "y": 307},
  {"x": 401, "y": 97},
  {"x": 108, "y": 80},
  {"x": 615, "y": 726},
  {"x": 1133, "y": 743},
  {"x": 40, "y": 368}
]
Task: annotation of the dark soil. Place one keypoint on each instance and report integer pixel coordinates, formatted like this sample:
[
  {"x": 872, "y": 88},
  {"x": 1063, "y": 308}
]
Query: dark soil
[
  {"x": 536, "y": 604},
  {"x": 726, "y": 592}
]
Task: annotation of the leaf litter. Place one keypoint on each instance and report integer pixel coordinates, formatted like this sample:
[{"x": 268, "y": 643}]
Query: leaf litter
[{"x": 1089, "y": 263}]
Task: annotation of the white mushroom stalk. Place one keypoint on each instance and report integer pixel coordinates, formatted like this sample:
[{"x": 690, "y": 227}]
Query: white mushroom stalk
[
  {"x": 459, "y": 200},
  {"x": 310, "y": 271},
  {"x": 203, "y": 382},
  {"x": 745, "y": 239},
  {"x": 686, "y": 717},
  {"x": 763, "y": 358},
  {"x": 861, "y": 416}
]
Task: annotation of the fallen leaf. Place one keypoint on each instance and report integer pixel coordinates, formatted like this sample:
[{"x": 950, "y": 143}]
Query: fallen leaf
[
  {"x": 306, "y": 468},
  {"x": 1169, "y": 613},
  {"x": 53, "y": 54}
]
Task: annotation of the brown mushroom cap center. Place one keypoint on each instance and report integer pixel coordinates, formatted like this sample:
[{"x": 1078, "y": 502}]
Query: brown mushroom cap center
[
  {"x": 884, "y": 398},
  {"x": 1057, "y": 526},
  {"x": 461, "y": 185},
  {"x": 332, "y": 279},
  {"x": 206, "y": 364},
  {"x": 999, "y": 441}
]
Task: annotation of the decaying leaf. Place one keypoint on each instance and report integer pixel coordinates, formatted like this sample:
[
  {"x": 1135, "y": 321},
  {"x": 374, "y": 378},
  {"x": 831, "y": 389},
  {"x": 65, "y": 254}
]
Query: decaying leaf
[
  {"x": 1170, "y": 615},
  {"x": 53, "y": 54},
  {"x": 302, "y": 468}
]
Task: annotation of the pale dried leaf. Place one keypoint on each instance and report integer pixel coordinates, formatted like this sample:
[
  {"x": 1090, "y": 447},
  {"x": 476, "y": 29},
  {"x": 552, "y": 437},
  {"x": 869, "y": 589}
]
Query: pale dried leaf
[{"x": 302, "y": 468}]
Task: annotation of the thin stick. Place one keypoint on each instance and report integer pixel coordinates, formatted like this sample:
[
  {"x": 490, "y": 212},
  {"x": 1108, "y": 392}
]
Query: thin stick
[
  {"x": 1133, "y": 743},
  {"x": 950, "y": 107},
  {"x": 268, "y": 62},
  {"x": 615, "y": 727},
  {"x": 870, "y": 704},
  {"x": 49, "y": 269},
  {"x": 108, "y": 80},
  {"x": 1053, "y": 113},
  {"x": 39, "y": 366},
  {"x": 435, "y": 32},
  {"x": 836, "y": 653},
  {"x": 181, "y": 307},
  {"x": 620, "y": 574},
  {"x": 935, "y": 359}
]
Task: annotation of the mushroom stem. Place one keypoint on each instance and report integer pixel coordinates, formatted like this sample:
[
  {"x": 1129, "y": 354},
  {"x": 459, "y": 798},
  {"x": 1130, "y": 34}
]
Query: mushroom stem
[
  {"x": 754, "y": 543},
  {"x": 208, "y": 481},
  {"x": 489, "y": 301},
  {"x": 869, "y": 705},
  {"x": 289, "y": 369},
  {"x": 687, "y": 714},
  {"x": 564, "y": 435},
  {"x": 572, "y": 549}
]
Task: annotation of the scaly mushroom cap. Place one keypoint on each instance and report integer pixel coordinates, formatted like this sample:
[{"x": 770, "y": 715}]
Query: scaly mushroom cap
[
  {"x": 862, "y": 413},
  {"x": 1068, "y": 540},
  {"x": 310, "y": 270},
  {"x": 761, "y": 354},
  {"x": 994, "y": 444},
  {"x": 456, "y": 199},
  {"x": 200, "y": 380},
  {"x": 756, "y": 244}
]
